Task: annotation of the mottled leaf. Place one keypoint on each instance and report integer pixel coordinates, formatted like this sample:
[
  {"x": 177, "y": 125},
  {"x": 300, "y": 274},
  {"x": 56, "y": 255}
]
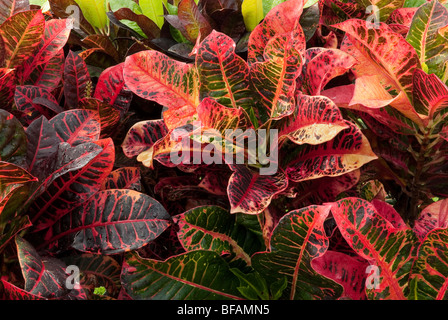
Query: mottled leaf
[
  {"x": 348, "y": 271},
  {"x": 111, "y": 89},
  {"x": 315, "y": 120}
]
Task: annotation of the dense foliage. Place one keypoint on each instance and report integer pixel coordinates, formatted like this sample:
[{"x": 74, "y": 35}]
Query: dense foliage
[{"x": 115, "y": 159}]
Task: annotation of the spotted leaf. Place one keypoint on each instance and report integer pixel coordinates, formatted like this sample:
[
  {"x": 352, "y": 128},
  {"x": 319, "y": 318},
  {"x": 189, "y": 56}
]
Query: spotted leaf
[
  {"x": 154, "y": 76},
  {"x": 348, "y": 151},
  {"x": 282, "y": 19},
  {"x": 223, "y": 75},
  {"x": 395, "y": 68},
  {"x": 321, "y": 66},
  {"x": 315, "y": 120},
  {"x": 274, "y": 79},
  {"x": 112, "y": 90}
]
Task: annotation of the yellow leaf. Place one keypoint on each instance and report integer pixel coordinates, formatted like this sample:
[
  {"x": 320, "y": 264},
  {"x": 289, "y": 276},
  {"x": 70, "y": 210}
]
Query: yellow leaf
[
  {"x": 252, "y": 11},
  {"x": 153, "y": 9},
  {"x": 95, "y": 12}
]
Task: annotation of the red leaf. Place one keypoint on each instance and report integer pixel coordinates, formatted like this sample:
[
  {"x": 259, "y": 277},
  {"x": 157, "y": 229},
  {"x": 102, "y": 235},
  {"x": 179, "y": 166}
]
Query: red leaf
[
  {"x": 348, "y": 271},
  {"x": 11, "y": 292},
  {"x": 250, "y": 192},
  {"x": 112, "y": 221},
  {"x": 109, "y": 116},
  {"x": 123, "y": 178},
  {"x": 384, "y": 53},
  {"x": 298, "y": 238},
  {"x": 282, "y": 19},
  {"x": 275, "y": 78},
  {"x": 434, "y": 216},
  {"x": 42, "y": 149},
  {"x": 77, "y": 126},
  {"x": 430, "y": 94},
  {"x": 9, "y": 8},
  {"x": 223, "y": 75},
  {"x": 192, "y": 20},
  {"x": 49, "y": 74},
  {"x": 73, "y": 188},
  {"x": 111, "y": 89},
  {"x": 7, "y": 87},
  {"x": 316, "y": 120},
  {"x": 44, "y": 276},
  {"x": 22, "y": 34},
  {"x": 142, "y": 136},
  {"x": 388, "y": 212},
  {"x": 25, "y": 99},
  {"x": 55, "y": 37},
  {"x": 154, "y": 76},
  {"x": 370, "y": 235},
  {"x": 213, "y": 115},
  {"x": 322, "y": 65},
  {"x": 76, "y": 77},
  {"x": 348, "y": 151}
]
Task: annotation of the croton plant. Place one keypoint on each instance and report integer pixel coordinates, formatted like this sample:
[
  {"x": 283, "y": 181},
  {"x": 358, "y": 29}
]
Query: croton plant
[{"x": 118, "y": 179}]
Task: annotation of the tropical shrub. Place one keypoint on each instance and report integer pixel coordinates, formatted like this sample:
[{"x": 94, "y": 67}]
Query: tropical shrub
[{"x": 223, "y": 150}]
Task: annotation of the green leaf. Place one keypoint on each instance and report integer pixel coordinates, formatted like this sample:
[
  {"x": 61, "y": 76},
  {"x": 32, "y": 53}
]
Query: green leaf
[
  {"x": 95, "y": 12},
  {"x": 253, "y": 13},
  {"x": 269, "y": 4},
  {"x": 13, "y": 141},
  {"x": 423, "y": 35},
  {"x": 252, "y": 285},
  {"x": 298, "y": 238},
  {"x": 22, "y": 34},
  {"x": 153, "y": 9},
  {"x": 214, "y": 228},
  {"x": 196, "y": 275},
  {"x": 429, "y": 272}
]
